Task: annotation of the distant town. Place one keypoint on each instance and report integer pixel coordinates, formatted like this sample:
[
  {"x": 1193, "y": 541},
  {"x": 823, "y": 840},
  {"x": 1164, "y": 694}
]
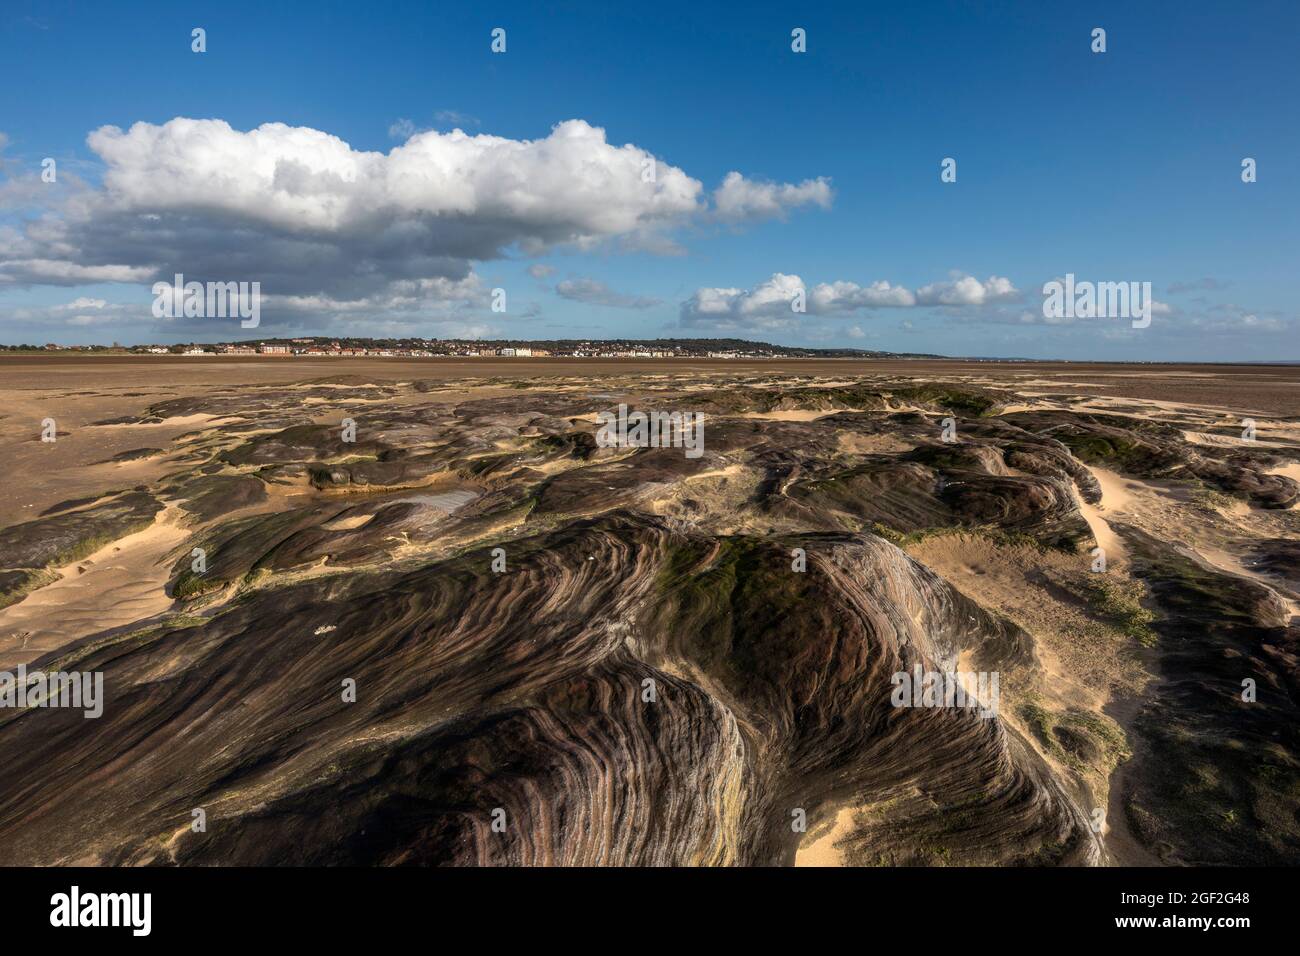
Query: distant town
[{"x": 324, "y": 347}]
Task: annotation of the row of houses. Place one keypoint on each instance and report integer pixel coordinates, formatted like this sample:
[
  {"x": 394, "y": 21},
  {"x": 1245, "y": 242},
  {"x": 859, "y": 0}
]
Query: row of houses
[
  {"x": 317, "y": 350},
  {"x": 444, "y": 350}
]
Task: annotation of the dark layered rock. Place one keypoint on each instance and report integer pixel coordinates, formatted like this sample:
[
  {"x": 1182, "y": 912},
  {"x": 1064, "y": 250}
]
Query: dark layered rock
[
  {"x": 526, "y": 692},
  {"x": 212, "y": 496},
  {"x": 1145, "y": 448},
  {"x": 301, "y": 443},
  {"x": 1218, "y": 784},
  {"x": 610, "y": 485},
  {"x": 949, "y": 486},
  {"x": 133, "y": 454},
  {"x": 1280, "y": 559}
]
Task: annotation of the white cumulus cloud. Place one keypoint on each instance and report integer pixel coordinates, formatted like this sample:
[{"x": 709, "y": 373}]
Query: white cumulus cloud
[
  {"x": 776, "y": 297},
  {"x": 314, "y": 219},
  {"x": 739, "y": 199},
  {"x": 967, "y": 290}
]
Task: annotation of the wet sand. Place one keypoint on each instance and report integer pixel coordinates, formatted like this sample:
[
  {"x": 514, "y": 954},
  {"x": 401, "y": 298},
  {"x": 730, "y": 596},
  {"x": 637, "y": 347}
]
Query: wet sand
[{"x": 1274, "y": 389}]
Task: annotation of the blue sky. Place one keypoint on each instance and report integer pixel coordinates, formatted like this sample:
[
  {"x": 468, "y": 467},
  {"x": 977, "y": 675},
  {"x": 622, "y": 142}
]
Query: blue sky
[{"x": 1115, "y": 166}]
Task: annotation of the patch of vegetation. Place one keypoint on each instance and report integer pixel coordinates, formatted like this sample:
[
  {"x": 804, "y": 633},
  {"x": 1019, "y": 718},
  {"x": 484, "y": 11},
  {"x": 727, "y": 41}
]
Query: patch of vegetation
[
  {"x": 905, "y": 539},
  {"x": 735, "y": 605},
  {"x": 1118, "y": 601},
  {"x": 890, "y": 535},
  {"x": 1021, "y": 539},
  {"x": 1097, "y": 448},
  {"x": 961, "y": 401},
  {"x": 1083, "y": 741},
  {"x": 1211, "y": 500},
  {"x": 991, "y": 533},
  {"x": 17, "y": 584},
  {"x": 935, "y": 855},
  {"x": 189, "y": 585}
]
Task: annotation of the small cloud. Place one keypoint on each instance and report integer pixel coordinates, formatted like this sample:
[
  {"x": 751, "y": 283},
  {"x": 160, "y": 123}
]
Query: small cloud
[
  {"x": 1206, "y": 284},
  {"x": 402, "y": 128},
  {"x": 83, "y": 302},
  {"x": 967, "y": 290},
  {"x": 540, "y": 271},
  {"x": 739, "y": 199},
  {"x": 455, "y": 118},
  {"x": 769, "y": 300},
  {"x": 593, "y": 292},
  {"x": 1230, "y": 318},
  {"x": 831, "y": 297}
]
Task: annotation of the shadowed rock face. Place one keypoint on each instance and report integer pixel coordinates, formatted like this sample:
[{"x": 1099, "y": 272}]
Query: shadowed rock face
[
  {"x": 29, "y": 552},
  {"x": 1222, "y": 786},
  {"x": 649, "y": 680},
  {"x": 1280, "y": 559},
  {"x": 526, "y": 691}
]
